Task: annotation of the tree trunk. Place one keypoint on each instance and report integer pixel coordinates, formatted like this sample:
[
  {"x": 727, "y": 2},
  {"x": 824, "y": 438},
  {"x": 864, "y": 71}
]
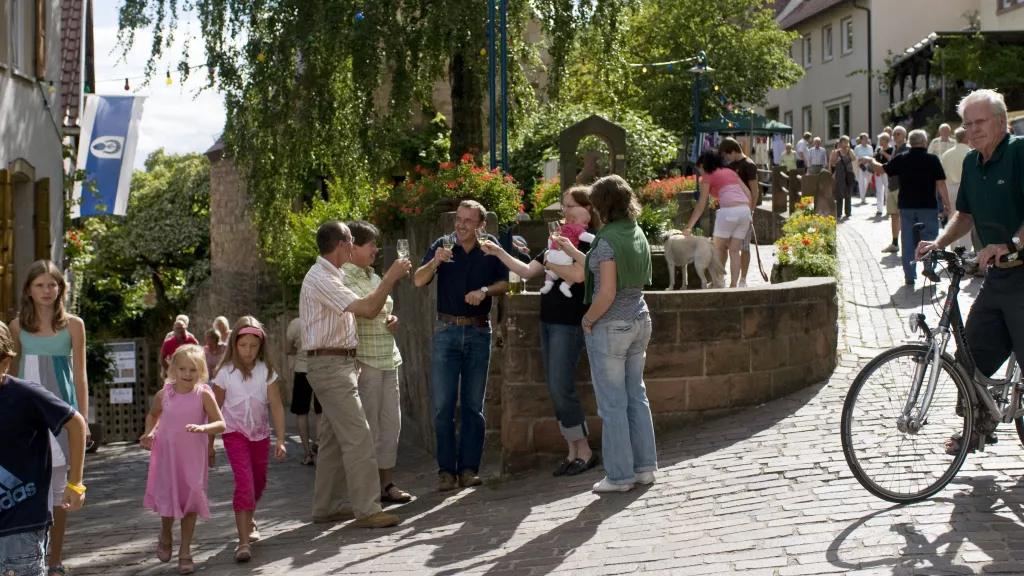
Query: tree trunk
[{"x": 467, "y": 106}]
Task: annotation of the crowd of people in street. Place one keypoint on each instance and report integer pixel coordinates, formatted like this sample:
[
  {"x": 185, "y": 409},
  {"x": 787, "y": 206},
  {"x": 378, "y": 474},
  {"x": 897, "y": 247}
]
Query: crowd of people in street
[
  {"x": 347, "y": 358},
  {"x": 914, "y": 181}
]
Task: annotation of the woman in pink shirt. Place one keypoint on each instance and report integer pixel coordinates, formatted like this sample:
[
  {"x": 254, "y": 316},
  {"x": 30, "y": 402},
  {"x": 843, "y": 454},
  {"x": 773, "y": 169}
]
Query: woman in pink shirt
[{"x": 734, "y": 214}]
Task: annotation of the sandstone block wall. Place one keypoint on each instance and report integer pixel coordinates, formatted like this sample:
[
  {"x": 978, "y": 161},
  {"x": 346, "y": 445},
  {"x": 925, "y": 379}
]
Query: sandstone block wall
[{"x": 712, "y": 351}]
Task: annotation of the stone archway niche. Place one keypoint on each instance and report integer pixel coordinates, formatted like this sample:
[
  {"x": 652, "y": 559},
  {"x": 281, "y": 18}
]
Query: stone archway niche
[{"x": 613, "y": 135}]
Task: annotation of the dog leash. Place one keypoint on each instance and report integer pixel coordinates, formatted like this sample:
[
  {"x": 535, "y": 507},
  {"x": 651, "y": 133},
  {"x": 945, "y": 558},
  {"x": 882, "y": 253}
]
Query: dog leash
[{"x": 760, "y": 267}]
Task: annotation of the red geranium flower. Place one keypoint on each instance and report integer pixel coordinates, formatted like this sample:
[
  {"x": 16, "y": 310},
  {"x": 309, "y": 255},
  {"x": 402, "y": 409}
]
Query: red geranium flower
[
  {"x": 805, "y": 242},
  {"x": 451, "y": 185},
  {"x": 467, "y": 157}
]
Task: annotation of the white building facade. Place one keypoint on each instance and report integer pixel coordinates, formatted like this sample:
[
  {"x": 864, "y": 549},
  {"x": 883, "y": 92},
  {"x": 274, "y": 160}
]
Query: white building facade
[
  {"x": 41, "y": 64},
  {"x": 836, "y": 97}
]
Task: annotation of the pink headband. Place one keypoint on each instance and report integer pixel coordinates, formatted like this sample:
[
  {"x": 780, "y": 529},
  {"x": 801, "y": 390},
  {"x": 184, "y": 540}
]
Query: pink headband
[{"x": 252, "y": 330}]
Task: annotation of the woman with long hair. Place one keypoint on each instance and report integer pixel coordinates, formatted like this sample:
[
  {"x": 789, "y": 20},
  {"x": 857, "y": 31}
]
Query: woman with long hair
[
  {"x": 617, "y": 329},
  {"x": 51, "y": 345},
  {"x": 561, "y": 335}
]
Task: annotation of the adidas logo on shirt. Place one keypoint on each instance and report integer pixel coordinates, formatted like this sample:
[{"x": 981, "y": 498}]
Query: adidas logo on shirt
[{"x": 13, "y": 491}]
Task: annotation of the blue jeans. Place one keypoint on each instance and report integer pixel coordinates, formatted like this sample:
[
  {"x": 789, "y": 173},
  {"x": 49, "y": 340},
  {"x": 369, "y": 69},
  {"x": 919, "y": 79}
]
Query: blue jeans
[
  {"x": 908, "y": 217},
  {"x": 560, "y": 347},
  {"x": 460, "y": 352},
  {"x": 617, "y": 350},
  {"x": 22, "y": 554}
]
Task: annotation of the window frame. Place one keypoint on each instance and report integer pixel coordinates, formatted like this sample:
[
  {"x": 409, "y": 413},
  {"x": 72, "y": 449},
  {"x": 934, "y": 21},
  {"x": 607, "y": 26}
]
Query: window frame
[
  {"x": 787, "y": 118},
  {"x": 841, "y": 105},
  {"x": 807, "y": 119},
  {"x": 844, "y": 36},
  {"x": 827, "y": 42},
  {"x": 5, "y": 34},
  {"x": 808, "y": 47}
]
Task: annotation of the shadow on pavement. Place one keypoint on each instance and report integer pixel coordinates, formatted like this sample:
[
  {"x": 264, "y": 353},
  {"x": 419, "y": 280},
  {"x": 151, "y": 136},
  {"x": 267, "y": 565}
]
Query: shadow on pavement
[{"x": 938, "y": 552}]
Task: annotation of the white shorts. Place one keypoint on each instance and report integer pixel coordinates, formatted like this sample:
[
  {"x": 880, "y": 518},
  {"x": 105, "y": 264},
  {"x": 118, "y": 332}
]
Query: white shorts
[{"x": 732, "y": 222}]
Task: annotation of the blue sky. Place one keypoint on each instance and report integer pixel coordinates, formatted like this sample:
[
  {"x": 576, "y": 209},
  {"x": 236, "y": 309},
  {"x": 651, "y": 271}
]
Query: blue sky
[{"x": 178, "y": 118}]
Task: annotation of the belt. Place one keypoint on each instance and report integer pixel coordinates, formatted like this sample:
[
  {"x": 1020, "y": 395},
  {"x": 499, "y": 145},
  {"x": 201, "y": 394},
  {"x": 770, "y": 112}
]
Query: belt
[
  {"x": 350, "y": 352},
  {"x": 478, "y": 321}
]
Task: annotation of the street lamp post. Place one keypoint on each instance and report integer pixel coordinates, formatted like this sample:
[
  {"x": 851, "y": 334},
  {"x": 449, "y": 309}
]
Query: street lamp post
[{"x": 699, "y": 70}]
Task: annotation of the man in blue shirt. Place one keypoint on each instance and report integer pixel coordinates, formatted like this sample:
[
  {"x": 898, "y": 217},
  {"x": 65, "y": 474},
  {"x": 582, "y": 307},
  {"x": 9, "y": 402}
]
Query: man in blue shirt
[{"x": 467, "y": 278}]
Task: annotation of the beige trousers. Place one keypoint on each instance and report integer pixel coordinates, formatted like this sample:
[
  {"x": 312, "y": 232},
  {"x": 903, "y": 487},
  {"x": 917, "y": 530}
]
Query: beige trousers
[
  {"x": 953, "y": 190},
  {"x": 378, "y": 389},
  {"x": 346, "y": 445}
]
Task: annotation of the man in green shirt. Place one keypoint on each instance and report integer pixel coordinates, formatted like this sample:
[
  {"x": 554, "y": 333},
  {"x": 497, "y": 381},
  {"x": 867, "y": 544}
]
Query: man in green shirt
[{"x": 991, "y": 198}]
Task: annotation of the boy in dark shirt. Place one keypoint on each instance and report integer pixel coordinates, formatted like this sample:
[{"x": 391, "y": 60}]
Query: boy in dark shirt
[{"x": 29, "y": 415}]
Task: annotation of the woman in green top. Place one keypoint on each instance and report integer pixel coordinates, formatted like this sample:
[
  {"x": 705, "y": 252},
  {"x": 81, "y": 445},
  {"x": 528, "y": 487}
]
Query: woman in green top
[
  {"x": 51, "y": 345},
  {"x": 617, "y": 329}
]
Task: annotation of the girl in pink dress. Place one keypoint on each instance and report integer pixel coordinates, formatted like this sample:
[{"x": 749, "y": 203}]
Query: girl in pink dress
[
  {"x": 187, "y": 412},
  {"x": 246, "y": 385}
]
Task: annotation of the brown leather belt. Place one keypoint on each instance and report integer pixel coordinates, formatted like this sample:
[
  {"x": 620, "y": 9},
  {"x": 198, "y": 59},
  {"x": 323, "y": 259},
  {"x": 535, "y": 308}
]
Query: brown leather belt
[
  {"x": 478, "y": 321},
  {"x": 350, "y": 352}
]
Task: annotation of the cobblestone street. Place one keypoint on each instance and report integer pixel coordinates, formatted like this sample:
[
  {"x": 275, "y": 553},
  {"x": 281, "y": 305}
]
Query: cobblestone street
[{"x": 764, "y": 491}]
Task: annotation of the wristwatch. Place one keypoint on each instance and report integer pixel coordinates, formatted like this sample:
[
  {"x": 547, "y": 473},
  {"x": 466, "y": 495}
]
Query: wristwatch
[
  {"x": 484, "y": 290},
  {"x": 1014, "y": 245}
]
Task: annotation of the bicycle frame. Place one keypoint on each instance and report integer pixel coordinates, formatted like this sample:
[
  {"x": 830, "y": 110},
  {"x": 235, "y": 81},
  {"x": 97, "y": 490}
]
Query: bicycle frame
[{"x": 982, "y": 387}]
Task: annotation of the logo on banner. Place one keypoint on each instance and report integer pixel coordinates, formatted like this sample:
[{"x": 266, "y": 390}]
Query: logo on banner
[{"x": 108, "y": 147}]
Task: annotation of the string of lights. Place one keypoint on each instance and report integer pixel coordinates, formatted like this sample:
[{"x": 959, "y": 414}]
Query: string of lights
[
  {"x": 670, "y": 64},
  {"x": 127, "y": 80}
]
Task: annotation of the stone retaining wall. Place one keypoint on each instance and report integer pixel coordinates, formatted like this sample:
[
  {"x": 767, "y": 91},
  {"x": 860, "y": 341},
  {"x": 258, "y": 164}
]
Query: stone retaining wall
[{"x": 712, "y": 351}]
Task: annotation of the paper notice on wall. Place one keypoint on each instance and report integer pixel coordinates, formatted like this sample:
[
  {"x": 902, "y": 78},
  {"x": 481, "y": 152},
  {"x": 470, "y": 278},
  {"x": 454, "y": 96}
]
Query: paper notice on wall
[{"x": 120, "y": 395}]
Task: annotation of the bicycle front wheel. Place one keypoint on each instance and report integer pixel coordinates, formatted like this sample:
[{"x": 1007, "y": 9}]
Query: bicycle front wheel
[{"x": 889, "y": 460}]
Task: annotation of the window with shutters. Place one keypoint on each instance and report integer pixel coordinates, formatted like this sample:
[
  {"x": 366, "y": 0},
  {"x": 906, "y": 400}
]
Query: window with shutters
[
  {"x": 6, "y": 246},
  {"x": 5, "y": 32},
  {"x": 24, "y": 34}
]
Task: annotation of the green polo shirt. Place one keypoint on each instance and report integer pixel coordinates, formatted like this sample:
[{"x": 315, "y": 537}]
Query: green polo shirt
[{"x": 993, "y": 191}]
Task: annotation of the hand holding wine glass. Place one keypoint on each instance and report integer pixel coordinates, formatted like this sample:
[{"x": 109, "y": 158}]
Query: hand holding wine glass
[
  {"x": 554, "y": 229},
  {"x": 403, "y": 248}
]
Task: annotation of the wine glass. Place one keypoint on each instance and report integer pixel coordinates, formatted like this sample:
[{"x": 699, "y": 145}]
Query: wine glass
[
  {"x": 554, "y": 229},
  {"x": 448, "y": 241},
  {"x": 481, "y": 234},
  {"x": 403, "y": 249}
]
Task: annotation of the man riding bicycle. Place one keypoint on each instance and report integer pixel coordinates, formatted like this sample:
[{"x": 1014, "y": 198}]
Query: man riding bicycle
[{"x": 991, "y": 199}]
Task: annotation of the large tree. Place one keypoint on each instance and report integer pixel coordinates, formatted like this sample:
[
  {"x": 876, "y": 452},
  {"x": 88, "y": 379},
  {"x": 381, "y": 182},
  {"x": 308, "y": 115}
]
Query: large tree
[
  {"x": 748, "y": 51},
  {"x": 161, "y": 247},
  {"x": 323, "y": 90}
]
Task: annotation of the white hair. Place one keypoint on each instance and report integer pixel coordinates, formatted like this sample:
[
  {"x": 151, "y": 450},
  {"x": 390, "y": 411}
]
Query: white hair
[
  {"x": 960, "y": 135},
  {"x": 944, "y": 125},
  {"x": 991, "y": 97},
  {"x": 918, "y": 138},
  {"x": 899, "y": 129}
]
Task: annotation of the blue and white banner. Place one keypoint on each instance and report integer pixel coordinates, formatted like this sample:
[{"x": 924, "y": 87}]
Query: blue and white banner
[{"x": 106, "y": 151}]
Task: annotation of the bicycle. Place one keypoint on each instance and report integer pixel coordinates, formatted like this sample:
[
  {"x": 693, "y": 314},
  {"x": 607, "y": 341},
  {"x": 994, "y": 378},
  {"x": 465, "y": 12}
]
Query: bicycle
[{"x": 944, "y": 394}]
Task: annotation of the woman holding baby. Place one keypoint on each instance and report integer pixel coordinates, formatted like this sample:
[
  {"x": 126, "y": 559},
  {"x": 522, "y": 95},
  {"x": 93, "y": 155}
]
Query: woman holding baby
[{"x": 561, "y": 330}]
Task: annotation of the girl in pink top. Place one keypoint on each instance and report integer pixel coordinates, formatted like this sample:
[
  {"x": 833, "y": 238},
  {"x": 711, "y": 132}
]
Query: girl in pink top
[
  {"x": 734, "y": 216},
  {"x": 176, "y": 488},
  {"x": 245, "y": 385}
]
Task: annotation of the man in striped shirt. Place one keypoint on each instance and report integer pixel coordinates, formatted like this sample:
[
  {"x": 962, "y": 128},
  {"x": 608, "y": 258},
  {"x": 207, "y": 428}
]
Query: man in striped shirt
[{"x": 327, "y": 309}]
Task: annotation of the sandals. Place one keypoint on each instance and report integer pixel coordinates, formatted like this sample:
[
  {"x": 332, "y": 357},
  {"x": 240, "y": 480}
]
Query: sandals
[
  {"x": 242, "y": 553},
  {"x": 56, "y": 570},
  {"x": 953, "y": 444},
  {"x": 385, "y": 495},
  {"x": 308, "y": 460},
  {"x": 162, "y": 554},
  {"x": 579, "y": 466},
  {"x": 186, "y": 565},
  {"x": 254, "y": 533},
  {"x": 563, "y": 466}
]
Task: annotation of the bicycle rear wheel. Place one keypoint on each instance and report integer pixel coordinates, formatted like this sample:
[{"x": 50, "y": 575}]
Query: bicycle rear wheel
[{"x": 896, "y": 465}]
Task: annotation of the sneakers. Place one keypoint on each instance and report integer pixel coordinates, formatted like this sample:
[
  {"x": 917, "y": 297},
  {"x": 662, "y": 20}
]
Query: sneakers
[
  {"x": 645, "y": 478},
  {"x": 891, "y": 248},
  {"x": 339, "y": 516},
  {"x": 378, "y": 520},
  {"x": 446, "y": 483},
  {"x": 930, "y": 274},
  {"x": 741, "y": 284},
  {"x": 468, "y": 479},
  {"x": 606, "y": 486}
]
